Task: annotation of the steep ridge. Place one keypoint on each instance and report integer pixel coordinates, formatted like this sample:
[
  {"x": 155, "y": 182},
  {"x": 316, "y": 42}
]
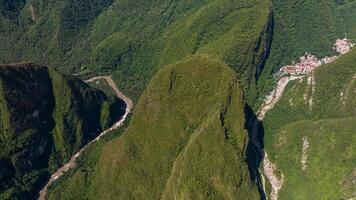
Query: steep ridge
[
  {"x": 72, "y": 162},
  {"x": 186, "y": 139},
  {"x": 135, "y": 39},
  {"x": 179, "y": 149},
  {"x": 305, "y": 133},
  {"x": 45, "y": 118},
  {"x": 306, "y": 26}
]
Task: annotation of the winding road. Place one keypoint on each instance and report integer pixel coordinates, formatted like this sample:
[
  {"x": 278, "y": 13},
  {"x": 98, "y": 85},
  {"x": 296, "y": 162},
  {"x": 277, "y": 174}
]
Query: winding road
[{"x": 72, "y": 162}]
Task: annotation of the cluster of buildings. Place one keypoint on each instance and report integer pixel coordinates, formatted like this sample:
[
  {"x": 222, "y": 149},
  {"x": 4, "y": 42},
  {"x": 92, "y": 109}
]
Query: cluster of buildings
[
  {"x": 307, "y": 64},
  {"x": 343, "y": 45},
  {"x": 310, "y": 62}
]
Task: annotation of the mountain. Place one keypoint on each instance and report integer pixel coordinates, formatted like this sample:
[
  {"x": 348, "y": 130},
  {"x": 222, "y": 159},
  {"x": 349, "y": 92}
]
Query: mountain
[
  {"x": 186, "y": 139},
  {"x": 310, "y": 134},
  {"x": 309, "y": 26},
  {"x": 46, "y": 117},
  {"x": 305, "y": 26},
  {"x": 134, "y": 39},
  {"x": 181, "y": 140}
]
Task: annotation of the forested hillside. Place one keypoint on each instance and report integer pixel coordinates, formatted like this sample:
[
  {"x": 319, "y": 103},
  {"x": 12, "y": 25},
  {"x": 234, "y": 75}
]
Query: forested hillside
[
  {"x": 190, "y": 68},
  {"x": 133, "y": 39},
  {"x": 46, "y": 117},
  {"x": 175, "y": 147},
  {"x": 309, "y": 26},
  {"x": 310, "y": 134}
]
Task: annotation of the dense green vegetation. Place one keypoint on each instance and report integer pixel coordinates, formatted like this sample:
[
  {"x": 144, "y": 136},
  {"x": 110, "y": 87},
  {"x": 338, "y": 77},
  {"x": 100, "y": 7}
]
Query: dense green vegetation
[
  {"x": 109, "y": 108},
  {"x": 175, "y": 147},
  {"x": 133, "y": 39},
  {"x": 305, "y": 26},
  {"x": 309, "y": 26},
  {"x": 74, "y": 184},
  {"x": 45, "y": 118},
  {"x": 331, "y": 159},
  {"x": 329, "y": 125}
]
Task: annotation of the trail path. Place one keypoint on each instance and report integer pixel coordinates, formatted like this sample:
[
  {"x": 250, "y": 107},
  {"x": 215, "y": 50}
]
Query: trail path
[{"x": 72, "y": 162}]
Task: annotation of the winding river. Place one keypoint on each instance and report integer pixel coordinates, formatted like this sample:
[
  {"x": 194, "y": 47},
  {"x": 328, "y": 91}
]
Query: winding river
[
  {"x": 72, "y": 162},
  {"x": 269, "y": 169}
]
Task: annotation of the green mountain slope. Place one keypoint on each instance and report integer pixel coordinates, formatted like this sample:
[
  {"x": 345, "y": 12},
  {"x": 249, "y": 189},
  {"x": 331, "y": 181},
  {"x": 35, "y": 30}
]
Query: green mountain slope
[
  {"x": 309, "y": 26},
  {"x": 45, "y": 118},
  {"x": 305, "y": 26},
  {"x": 135, "y": 39},
  {"x": 186, "y": 139},
  {"x": 328, "y": 126}
]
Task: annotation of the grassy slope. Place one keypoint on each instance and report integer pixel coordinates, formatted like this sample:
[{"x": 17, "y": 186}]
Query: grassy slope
[
  {"x": 189, "y": 150},
  {"x": 329, "y": 126},
  {"x": 135, "y": 39},
  {"x": 331, "y": 159},
  {"x": 45, "y": 118}
]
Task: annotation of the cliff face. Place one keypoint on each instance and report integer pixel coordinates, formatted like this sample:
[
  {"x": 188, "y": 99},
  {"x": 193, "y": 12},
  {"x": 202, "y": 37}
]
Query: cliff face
[{"x": 45, "y": 117}]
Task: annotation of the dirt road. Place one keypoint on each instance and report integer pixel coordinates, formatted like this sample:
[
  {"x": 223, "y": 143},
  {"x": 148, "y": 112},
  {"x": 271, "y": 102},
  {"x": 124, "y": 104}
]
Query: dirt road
[
  {"x": 274, "y": 96},
  {"x": 269, "y": 168},
  {"x": 71, "y": 164},
  {"x": 112, "y": 84}
]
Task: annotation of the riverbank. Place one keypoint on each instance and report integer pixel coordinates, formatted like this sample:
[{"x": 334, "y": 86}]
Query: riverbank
[{"x": 72, "y": 162}]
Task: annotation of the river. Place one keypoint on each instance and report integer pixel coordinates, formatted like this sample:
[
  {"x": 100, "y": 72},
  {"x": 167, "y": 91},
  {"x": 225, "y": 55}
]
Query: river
[{"x": 72, "y": 162}]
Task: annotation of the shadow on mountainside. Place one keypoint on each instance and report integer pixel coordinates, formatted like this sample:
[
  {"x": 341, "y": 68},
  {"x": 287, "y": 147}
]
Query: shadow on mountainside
[{"x": 255, "y": 147}]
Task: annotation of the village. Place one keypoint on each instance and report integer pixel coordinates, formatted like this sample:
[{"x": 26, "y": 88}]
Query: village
[{"x": 310, "y": 62}]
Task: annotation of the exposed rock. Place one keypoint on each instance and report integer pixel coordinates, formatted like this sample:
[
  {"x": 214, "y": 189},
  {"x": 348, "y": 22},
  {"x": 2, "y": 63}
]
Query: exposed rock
[{"x": 305, "y": 150}]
